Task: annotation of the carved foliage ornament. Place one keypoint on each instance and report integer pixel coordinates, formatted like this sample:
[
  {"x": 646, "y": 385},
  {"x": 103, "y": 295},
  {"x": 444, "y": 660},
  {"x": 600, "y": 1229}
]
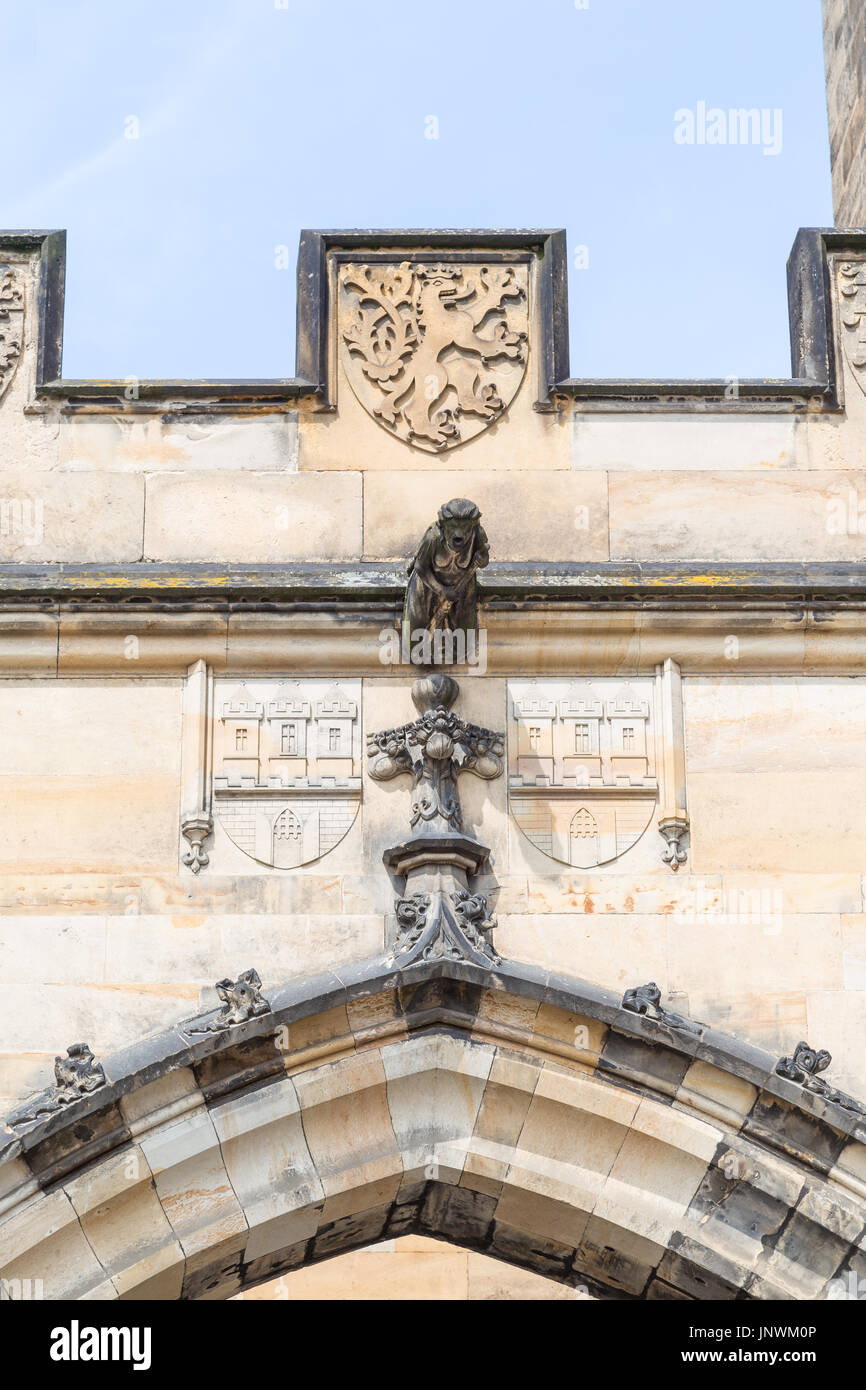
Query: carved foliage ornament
[
  {"x": 434, "y": 750},
  {"x": 75, "y": 1076},
  {"x": 453, "y": 926},
  {"x": 434, "y": 352},
  {"x": 803, "y": 1068},
  {"x": 242, "y": 999},
  {"x": 852, "y": 289},
  {"x": 11, "y": 322}
]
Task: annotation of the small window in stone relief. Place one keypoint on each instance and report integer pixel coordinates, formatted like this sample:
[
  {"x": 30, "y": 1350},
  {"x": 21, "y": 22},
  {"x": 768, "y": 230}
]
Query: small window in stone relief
[
  {"x": 288, "y": 739},
  {"x": 333, "y": 740},
  {"x": 628, "y": 740},
  {"x": 534, "y": 738},
  {"x": 240, "y": 740},
  {"x": 583, "y": 824},
  {"x": 287, "y": 826},
  {"x": 581, "y": 738}
]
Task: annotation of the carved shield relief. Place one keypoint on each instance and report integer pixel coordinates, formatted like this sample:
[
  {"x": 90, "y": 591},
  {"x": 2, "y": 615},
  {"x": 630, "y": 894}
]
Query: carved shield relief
[
  {"x": 852, "y": 291},
  {"x": 434, "y": 352},
  {"x": 11, "y": 322},
  {"x": 581, "y": 758},
  {"x": 287, "y": 778}
]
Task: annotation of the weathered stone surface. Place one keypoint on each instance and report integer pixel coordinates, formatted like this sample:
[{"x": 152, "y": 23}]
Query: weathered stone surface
[
  {"x": 56, "y": 512},
  {"x": 287, "y": 517},
  {"x": 563, "y": 520}
]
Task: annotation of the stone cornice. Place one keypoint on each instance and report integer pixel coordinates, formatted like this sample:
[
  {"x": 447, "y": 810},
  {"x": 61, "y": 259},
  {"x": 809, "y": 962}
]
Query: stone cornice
[
  {"x": 706, "y": 583},
  {"x": 62, "y": 620}
]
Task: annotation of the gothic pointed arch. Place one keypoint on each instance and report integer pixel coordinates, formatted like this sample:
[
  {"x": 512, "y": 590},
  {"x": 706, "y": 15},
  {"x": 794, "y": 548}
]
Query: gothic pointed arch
[{"x": 519, "y": 1113}]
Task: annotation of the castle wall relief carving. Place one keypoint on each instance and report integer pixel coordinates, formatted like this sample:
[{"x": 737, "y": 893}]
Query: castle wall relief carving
[
  {"x": 590, "y": 762},
  {"x": 285, "y": 758}
]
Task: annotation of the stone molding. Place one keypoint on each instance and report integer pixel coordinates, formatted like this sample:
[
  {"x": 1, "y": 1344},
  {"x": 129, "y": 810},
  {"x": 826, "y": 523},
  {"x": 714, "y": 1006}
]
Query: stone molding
[
  {"x": 166, "y": 586},
  {"x": 196, "y": 814},
  {"x": 531, "y": 638}
]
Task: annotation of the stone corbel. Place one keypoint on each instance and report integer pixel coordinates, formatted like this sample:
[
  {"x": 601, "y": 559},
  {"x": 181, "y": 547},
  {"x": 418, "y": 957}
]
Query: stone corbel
[
  {"x": 674, "y": 816},
  {"x": 196, "y": 817}
]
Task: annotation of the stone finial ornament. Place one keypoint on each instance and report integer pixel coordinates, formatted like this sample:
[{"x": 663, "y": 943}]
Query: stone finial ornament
[
  {"x": 75, "y": 1076},
  {"x": 646, "y": 999},
  {"x": 803, "y": 1068},
  {"x": 242, "y": 1000},
  {"x": 438, "y": 916},
  {"x": 442, "y": 591},
  {"x": 435, "y": 749}
]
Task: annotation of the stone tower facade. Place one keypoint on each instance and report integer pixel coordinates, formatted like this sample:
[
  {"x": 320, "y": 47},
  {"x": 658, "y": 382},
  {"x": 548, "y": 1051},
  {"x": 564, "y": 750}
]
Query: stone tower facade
[
  {"x": 845, "y": 63},
  {"x": 432, "y": 799}
]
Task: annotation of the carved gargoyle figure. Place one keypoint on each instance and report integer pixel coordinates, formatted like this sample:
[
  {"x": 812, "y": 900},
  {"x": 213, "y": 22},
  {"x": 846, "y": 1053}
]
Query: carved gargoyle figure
[
  {"x": 242, "y": 1000},
  {"x": 803, "y": 1068},
  {"x": 646, "y": 999},
  {"x": 75, "y": 1075},
  {"x": 442, "y": 591}
]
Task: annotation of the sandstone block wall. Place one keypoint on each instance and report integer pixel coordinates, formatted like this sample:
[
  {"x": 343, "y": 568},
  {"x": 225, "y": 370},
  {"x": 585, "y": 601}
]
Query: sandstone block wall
[{"x": 845, "y": 64}]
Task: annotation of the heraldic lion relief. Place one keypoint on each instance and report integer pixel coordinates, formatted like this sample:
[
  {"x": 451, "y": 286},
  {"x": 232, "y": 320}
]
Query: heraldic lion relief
[{"x": 435, "y": 353}]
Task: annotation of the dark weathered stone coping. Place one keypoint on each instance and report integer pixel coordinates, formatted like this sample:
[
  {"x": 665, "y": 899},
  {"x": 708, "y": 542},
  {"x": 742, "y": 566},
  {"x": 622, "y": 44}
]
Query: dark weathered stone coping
[
  {"x": 503, "y": 583},
  {"x": 430, "y": 994}
]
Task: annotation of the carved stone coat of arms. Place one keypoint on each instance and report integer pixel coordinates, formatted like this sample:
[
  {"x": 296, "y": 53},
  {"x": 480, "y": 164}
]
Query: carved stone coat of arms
[
  {"x": 11, "y": 323},
  {"x": 287, "y": 781},
  {"x": 582, "y": 767},
  {"x": 435, "y": 353}
]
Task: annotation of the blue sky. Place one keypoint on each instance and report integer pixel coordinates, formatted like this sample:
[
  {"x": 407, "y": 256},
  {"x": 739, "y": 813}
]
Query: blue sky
[{"x": 258, "y": 117}]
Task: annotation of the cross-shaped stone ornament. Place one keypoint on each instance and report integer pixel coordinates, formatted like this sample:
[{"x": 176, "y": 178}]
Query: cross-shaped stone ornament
[{"x": 438, "y": 917}]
